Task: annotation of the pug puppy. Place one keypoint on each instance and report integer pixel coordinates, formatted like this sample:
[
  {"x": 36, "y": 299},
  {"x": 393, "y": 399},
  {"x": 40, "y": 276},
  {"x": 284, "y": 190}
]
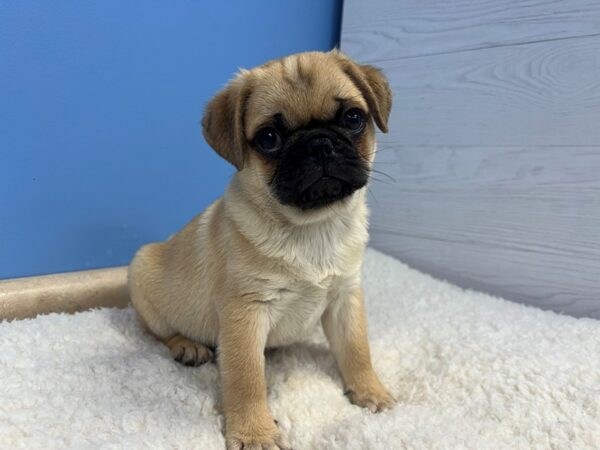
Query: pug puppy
[{"x": 282, "y": 249}]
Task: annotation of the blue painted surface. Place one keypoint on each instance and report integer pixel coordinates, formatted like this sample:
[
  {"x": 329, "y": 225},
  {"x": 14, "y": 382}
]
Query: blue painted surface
[{"x": 100, "y": 145}]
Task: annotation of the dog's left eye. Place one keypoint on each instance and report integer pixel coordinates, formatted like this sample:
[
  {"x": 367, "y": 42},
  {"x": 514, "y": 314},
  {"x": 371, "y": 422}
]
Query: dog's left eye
[
  {"x": 268, "y": 140},
  {"x": 354, "y": 120}
]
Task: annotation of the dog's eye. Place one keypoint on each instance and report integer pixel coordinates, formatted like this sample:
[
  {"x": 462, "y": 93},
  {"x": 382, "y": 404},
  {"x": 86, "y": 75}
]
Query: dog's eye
[
  {"x": 268, "y": 140},
  {"x": 354, "y": 120}
]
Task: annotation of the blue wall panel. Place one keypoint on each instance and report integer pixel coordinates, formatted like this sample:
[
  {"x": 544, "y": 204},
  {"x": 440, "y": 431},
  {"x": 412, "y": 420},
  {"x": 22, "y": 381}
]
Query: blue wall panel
[{"x": 100, "y": 102}]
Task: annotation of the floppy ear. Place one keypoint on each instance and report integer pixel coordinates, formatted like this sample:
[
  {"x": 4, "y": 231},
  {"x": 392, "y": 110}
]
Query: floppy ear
[
  {"x": 223, "y": 121},
  {"x": 373, "y": 86}
]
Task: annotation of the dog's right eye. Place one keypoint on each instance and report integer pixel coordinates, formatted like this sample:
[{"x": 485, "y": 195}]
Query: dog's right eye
[{"x": 268, "y": 140}]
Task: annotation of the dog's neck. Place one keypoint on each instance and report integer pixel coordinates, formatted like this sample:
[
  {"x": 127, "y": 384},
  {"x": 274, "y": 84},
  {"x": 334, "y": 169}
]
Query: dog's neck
[{"x": 325, "y": 244}]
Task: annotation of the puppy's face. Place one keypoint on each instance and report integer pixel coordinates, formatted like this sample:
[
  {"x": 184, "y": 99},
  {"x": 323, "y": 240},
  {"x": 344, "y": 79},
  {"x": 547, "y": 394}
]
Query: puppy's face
[{"x": 301, "y": 128}]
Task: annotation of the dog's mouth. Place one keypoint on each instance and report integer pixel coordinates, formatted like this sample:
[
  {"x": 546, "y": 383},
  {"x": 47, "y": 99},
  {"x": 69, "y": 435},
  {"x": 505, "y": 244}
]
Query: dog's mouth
[
  {"x": 323, "y": 192},
  {"x": 319, "y": 187}
]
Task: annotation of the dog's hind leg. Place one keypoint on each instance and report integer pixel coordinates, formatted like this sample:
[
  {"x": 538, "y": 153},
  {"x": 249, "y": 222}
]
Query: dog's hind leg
[
  {"x": 184, "y": 350},
  {"x": 188, "y": 352},
  {"x": 145, "y": 292}
]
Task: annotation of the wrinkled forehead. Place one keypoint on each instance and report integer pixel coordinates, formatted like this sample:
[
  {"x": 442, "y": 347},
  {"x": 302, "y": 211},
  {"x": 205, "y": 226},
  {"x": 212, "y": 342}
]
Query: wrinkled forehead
[{"x": 302, "y": 90}]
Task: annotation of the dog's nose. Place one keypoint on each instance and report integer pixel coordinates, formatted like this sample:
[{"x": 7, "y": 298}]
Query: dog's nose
[{"x": 320, "y": 146}]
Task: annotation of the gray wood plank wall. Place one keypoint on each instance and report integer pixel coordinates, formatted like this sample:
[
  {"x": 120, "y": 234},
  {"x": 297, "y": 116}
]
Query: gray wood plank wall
[{"x": 494, "y": 143}]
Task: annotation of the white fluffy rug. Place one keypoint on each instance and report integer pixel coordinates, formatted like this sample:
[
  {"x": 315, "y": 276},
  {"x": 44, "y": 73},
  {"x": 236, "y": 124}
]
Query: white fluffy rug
[{"x": 470, "y": 371}]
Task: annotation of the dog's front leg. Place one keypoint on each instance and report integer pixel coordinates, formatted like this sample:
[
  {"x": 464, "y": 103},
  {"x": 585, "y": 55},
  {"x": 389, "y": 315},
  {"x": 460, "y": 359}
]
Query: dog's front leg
[
  {"x": 243, "y": 331},
  {"x": 344, "y": 323}
]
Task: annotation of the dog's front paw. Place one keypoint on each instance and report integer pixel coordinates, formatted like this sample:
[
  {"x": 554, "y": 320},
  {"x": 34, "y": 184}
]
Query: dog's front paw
[
  {"x": 270, "y": 439},
  {"x": 373, "y": 396}
]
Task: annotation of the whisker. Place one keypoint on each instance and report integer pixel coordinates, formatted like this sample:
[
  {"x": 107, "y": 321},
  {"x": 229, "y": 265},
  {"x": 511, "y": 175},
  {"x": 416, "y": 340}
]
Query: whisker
[
  {"x": 384, "y": 174},
  {"x": 379, "y": 180},
  {"x": 373, "y": 195},
  {"x": 380, "y": 150},
  {"x": 390, "y": 163}
]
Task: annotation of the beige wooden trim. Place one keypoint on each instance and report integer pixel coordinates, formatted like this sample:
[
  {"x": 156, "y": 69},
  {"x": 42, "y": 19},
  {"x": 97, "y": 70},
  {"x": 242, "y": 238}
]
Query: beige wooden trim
[{"x": 21, "y": 298}]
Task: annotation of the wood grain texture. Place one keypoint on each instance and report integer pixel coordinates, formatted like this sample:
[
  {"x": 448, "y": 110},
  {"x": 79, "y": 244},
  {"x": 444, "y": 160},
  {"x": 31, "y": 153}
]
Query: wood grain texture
[
  {"x": 494, "y": 144},
  {"x": 537, "y": 94},
  {"x": 387, "y": 30},
  {"x": 522, "y": 223}
]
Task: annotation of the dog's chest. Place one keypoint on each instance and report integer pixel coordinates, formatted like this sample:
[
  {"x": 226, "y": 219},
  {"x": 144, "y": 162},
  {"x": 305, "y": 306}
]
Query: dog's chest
[{"x": 295, "y": 308}]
